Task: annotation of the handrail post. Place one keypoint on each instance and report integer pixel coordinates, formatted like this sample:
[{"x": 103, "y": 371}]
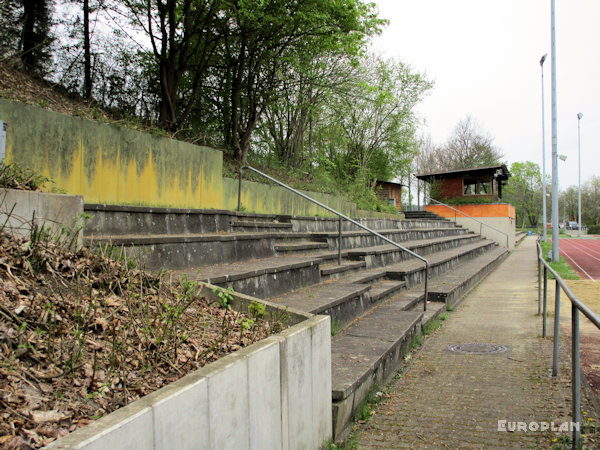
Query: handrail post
[
  {"x": 539, "y": 285},
  {"x": 556, "y": 329},
  {"x": 575, "y": 375},
  {"x": 240, "y": 190},
  {"x": 426, "y": 286},
  {"x": 339, "y": 240},
  {"x": 544, "y": 326}
]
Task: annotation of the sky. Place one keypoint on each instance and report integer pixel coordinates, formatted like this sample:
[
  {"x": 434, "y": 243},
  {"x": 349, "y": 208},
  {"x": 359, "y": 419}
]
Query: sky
[{"x": 483, "y": 57}]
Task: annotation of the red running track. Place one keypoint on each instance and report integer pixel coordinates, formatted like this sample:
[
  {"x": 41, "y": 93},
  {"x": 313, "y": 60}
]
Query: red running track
[{"x": 583, "y": 255}]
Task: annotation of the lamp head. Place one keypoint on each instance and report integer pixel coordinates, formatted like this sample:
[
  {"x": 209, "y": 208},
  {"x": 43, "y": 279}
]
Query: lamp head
[
  {"x": 562, "y": 157},
  {"x": 543, "y": 59},
  {"x": 579, "y": 116}
]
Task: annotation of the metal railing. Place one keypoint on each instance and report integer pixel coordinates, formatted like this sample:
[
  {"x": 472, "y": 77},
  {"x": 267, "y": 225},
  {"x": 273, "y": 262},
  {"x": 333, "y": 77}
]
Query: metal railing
[
  {"x": 340, "y": 217},
  {"x": 481, "y": 224},
  {"x": 576, "y": 307}
]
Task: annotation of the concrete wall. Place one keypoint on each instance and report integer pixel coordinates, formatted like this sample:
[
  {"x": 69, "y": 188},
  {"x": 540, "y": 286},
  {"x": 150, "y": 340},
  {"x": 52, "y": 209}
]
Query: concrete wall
[
  {"x": 270, "y": 199},
  {"x": 117, "y": 166},
  {"x": 20, "y": 209},
  {"x": 274, "y": 394},
  {"x": 501, "y": 216}
]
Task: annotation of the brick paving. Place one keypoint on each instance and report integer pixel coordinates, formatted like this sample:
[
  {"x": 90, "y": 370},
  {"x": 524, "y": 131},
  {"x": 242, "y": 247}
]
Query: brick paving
[{"x": 450, "y": 400}]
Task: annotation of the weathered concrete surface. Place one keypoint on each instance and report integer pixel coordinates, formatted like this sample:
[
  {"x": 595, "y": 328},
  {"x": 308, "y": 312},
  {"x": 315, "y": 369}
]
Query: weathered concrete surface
[
  {"x": 456, "y": 400},
  {"x": 55, "y": 212}
]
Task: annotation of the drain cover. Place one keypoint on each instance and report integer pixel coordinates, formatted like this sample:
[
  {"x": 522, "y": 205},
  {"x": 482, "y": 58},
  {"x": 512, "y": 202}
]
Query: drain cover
[{"x": 477, "y": 348}]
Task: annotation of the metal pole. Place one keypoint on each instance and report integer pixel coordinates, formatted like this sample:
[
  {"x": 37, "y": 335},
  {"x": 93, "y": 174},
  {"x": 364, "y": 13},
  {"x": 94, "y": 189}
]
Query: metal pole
[
  {"x": 575, "y": 374},
  {"x": 579, "y": 116},
  {"x": 544, "y": 214},
  {"x": 240, "y": 191},
  {"x": 539, "y": 285},
  {"x": 556, "y": 329},
  {"x": 2, "y": 140},
  {"x": 554, "y": 139},
  {"x": 339, "y": 240},
  {"x": 544, "y": 327}
]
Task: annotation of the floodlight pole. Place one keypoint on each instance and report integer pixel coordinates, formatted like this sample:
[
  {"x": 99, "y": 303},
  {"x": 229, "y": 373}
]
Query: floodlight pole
[
  {"x": 554, "y": 137},
  {"x": 579, "y": 116},
  {"x": 544, "y": 215}
]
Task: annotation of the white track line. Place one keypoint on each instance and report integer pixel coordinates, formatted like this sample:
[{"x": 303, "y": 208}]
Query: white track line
[
  {"x": 567, "y": 256},
  {"x": 580, "y": 245}
]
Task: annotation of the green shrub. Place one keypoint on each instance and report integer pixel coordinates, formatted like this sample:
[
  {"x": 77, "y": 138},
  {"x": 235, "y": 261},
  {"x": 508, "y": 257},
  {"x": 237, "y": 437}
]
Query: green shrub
[{"x": 594, "y": 229}]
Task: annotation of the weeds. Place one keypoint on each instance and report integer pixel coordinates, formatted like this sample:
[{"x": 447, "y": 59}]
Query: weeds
[{"x": 13, "y": 176}]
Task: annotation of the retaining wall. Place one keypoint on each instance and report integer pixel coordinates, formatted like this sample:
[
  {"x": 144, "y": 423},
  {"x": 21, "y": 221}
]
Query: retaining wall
[
  {"x": 273, "y": 394},
  {"x": 20, "y": 210},
  {"x": 118, "y": 166}
]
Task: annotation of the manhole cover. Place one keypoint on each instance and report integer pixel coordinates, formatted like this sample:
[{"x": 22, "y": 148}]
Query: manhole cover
[{"x": 477, "y": 348}]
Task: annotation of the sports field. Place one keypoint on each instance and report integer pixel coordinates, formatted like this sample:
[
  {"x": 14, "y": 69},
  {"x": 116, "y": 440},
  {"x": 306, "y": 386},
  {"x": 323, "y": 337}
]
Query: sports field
[{"x": 583, "y": 255}]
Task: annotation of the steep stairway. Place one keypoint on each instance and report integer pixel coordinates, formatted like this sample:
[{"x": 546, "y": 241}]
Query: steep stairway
[{"x": 372, "y": 290}]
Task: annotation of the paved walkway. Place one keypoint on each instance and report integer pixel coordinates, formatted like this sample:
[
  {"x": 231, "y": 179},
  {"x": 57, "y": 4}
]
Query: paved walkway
[{"x": 452, "y": 400}]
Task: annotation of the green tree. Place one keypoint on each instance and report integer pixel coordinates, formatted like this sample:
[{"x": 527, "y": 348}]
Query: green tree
[
  {"x": 261, "y": 46},
  {"x": 524, "y": 192},
  {"x": 373, "y": 126}
]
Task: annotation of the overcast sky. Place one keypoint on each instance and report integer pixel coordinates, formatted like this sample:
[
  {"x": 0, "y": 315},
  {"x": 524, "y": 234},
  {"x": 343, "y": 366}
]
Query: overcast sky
[{"x": 484, "y": 58}]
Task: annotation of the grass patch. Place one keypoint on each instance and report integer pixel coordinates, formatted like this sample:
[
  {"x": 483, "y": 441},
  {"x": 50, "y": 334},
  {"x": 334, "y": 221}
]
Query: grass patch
[
  {"x": 431, "y": 326},
  {"x": 335, "y": 327},
  {"x": 562, "y": 268}
]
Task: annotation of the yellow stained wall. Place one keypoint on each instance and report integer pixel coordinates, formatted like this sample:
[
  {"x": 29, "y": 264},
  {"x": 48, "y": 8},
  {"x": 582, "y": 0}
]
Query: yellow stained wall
[{"x": 112, "y": 165}]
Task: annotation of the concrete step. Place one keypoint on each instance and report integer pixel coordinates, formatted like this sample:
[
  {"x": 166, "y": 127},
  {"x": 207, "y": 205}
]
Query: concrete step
[
  {"x": 300, "y": 246},
  {"x": 385, "y": 288},
  {"x": 383, "y": 255},
  {"x": 369, "y": 351},
  {"x": 180, "y": 251},
  {"x": 341, "y": 300},
  {"x": 335, "y": 270},
  {"x": 361, "y": 238},
  {"x": 262, "y": 278},
  {"x": 451, "y": 286},
  {"x": 413, "y": 271},
  {"x": 251, "y": 225}
]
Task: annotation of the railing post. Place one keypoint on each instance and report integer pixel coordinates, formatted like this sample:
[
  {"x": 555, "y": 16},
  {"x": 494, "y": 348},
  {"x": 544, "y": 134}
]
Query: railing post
[
  {"x": 240, "y": 191},
  {"x": 556, "y": 329},
  {"x": 576, "y": 375},
  {"x": 339, "y": 240},
  {"x": 480, "y": 229},
  {"x": 426, "y": 286},
  {"x": 544, "y": 327},
  {"x": 539, "y": 285}
]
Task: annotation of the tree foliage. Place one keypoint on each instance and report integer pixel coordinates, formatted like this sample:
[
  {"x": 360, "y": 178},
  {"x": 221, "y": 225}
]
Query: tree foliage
[
  {"x": 279, "y": 81},
  {"x": 524, "y": 192}
]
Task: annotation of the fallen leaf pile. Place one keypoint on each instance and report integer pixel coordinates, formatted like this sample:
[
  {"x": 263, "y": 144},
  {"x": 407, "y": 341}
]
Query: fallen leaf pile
[{"x": 84, "y": 333}]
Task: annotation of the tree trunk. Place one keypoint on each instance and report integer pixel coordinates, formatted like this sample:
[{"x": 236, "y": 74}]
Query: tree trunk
[{"x": 86, "y": 50}]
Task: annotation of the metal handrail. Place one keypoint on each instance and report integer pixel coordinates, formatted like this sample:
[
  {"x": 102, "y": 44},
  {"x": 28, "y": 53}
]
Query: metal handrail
[
  {"x": 340, "y": 216},
  {"x": 576, "y": 307},
  {"x": 478, "y": 221}
]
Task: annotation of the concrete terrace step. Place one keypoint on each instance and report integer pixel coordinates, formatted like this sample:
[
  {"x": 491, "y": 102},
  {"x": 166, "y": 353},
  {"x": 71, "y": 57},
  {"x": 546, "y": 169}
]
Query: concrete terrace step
[
  {"x": 412, "y": 271},
  {"x": 179, "y": 251},
  {"x": 245, "y": 225},
  {"x": 369, "y": 351},
  {"x": 452, "y": 285},
  {"x": 261, "y": 278},
  {"x": 331, "y": 270},
  {"x": 290, "y": 247}
]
